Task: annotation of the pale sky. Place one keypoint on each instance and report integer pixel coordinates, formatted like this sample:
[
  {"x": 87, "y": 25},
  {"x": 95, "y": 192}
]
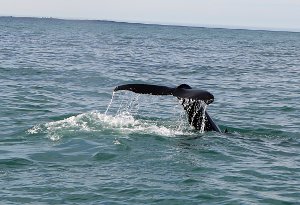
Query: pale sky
[{"x": 260, "y": 14}]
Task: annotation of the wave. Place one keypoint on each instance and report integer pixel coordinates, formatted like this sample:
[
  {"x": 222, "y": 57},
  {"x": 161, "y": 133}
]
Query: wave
[{"x": 14, "y": 162}]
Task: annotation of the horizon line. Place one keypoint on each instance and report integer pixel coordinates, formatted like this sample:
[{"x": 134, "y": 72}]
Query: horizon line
[{"x": 232, "y": 27}]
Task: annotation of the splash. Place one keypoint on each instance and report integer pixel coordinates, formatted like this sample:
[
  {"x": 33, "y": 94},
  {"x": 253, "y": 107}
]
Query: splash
[
  {"x": 125, "y": 114},
  {"x": 122, "y": 124},
  {"x": 79, "y": 123}
]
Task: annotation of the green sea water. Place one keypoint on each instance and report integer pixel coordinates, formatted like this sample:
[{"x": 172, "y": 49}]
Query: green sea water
[{"x": 59, "y": 144}]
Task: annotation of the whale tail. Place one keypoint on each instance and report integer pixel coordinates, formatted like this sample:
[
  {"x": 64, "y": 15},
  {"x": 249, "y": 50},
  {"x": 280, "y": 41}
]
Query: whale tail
[
  {"x": 183, "y": 91},
  {"x": 190, "y": 98}
]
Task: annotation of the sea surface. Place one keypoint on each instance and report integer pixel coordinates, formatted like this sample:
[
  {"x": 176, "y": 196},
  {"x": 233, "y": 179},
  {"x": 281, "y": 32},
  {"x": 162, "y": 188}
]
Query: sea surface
[{"x": 61, "y": 142}]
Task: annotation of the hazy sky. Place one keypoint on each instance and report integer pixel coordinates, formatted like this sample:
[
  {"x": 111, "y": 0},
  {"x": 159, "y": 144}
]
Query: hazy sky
[{"x": 276, "y": 14}]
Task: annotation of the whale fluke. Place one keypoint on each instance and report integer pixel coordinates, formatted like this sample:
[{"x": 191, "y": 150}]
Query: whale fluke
[
  {"x": 191, "y": 101},
  {"x": 182, "y": 91}
]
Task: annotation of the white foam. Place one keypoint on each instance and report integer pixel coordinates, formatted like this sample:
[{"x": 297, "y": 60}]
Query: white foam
[
  {"x": 35, "y": 130},
  {"x": 123, "y": 122},
  {"x": 116, "y": 142}
]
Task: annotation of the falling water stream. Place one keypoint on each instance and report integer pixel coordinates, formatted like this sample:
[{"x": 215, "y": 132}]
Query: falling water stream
[
  {"x": 131, "y": 107},
  {"x": 203, "y": 106}
]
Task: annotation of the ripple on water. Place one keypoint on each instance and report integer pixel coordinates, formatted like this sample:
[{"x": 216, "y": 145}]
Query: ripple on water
[
  {"x": 101, "y": 156},
  {"x": 15, "y": 162}
]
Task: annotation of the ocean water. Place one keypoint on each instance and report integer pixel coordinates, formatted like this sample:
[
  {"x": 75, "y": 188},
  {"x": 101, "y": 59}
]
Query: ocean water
[{"x": 59, "y": 144}]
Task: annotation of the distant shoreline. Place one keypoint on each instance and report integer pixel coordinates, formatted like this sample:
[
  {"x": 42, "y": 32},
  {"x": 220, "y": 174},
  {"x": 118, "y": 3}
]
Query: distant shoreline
[{"x": 160, "y": 24}]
